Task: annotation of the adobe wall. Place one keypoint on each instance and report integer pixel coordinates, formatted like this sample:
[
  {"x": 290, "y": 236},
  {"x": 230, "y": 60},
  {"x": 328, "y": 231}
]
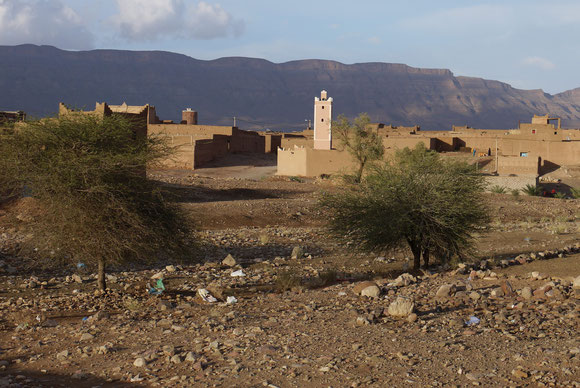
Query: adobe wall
[
  {"x": 411, "y": 142},
  {"x": 311, "y": 163},
  {"x": 295, "y": 141},
  {"x": 199, "y": 131},
  {"x": 247, "y": 141},
  {"x": 207, "y": 150},
  {"x": 272, "y": 142},
  {"x": 517, "y": 165}
]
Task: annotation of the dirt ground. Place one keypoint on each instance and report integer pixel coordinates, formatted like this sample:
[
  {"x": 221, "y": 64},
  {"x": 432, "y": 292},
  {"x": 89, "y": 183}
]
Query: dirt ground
[{"x": 297, "y": 321}]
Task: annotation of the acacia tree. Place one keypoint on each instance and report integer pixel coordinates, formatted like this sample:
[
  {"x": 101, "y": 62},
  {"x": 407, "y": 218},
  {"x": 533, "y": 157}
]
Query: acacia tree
[
  {"x": 88, "y": 176},
  {"x": 431, "y": 205},
  {"x": 358, "y": 138}
]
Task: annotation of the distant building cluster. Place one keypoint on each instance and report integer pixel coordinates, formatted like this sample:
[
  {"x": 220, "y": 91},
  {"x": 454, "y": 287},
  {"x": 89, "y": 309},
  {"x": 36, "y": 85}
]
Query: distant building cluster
[{"x": 530, "y": 150}]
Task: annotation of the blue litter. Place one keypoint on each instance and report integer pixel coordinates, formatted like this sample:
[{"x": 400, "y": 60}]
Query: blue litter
[
  {"x": 81, "y": 265},
  {"x": 158, "y": 289}
]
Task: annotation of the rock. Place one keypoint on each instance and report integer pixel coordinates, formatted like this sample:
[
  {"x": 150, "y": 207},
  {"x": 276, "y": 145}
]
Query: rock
[
  {"x": 446, "y": 291},
  {"x": 404, "y": 280},
  {"x": 507, "y": 288},
  {"x": 190, "y": 357},
  {"x": 62, "y": 355},
  {"x": 176, "y": 359},
  {"x": 520, "y": 374},
  {"x": 297, "y": 252},
  {"x": 576, "y": 283},
  {"x": 100, "y": 315},
  {"x": 229, "y": 261},
  {"x": 527, "y": 293},
  {"x": 165, "y": 305},
  {"x": 371, "y": 292},
  {"x": 412, "y": 318},
  {"x": 87, "y": 337},
  {"x": 359, "y": 287},
  {"x": 77, "y": 278},
  {"x": 541, "y": 292},
  {"x": 157, "y": 276},
  {"x": 475, "y": 296},
  {"x": 497, "y": 292},
  {"x": 401, "y": 307},
  {"x": 170, "y": 268},
  {"x": 140, "y": 362}
]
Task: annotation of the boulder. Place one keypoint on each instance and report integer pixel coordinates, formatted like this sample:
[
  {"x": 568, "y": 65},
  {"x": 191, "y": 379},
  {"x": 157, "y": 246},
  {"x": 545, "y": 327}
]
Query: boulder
[
  {"x": 359, "y": 287},
  {"x": 371, "y": 292},
  {"x": 446, "y": 290},
  {"x": 229, "y": 261},
  {"x": 401, "y": 307}
]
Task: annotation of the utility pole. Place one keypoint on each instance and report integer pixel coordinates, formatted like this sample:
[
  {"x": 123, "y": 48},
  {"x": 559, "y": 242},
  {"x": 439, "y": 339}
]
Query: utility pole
[
  {"x": 309, "y": 123},
  {"x": 496, "y": 156},
  {"x": 234, "y": 121}
]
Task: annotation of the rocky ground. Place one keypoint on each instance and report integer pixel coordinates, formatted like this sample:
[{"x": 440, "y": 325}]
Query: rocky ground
[{"x": 305, "y": 311}]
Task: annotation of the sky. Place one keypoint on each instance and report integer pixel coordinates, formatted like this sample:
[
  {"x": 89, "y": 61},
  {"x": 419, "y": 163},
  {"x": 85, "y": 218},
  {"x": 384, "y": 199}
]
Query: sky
[{"x": 530, "y": 44}]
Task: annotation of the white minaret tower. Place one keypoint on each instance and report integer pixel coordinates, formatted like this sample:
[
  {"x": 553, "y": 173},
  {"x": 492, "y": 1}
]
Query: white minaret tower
[{"x": 323, "y": 122}]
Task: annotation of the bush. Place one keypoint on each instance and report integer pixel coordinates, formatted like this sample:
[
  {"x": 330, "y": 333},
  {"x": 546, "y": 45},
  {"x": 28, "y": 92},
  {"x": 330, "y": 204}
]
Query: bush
[
  {"x": 88, "y": 175},
  {"x": 532, "y": 190},
  {"x": 560, "y": 195},
  {"x": 498, "y": 189},
  {"x": 575, "y": 191},
  {"x": 515, "y": 193},
  {"x": 432, "y": 205}
]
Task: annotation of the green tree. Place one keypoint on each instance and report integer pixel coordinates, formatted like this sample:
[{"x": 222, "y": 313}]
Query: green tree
[
  {"x": 418, "y": 199},
  {"x": 360, "y": 140},
  {"x": 88, "y": 176}
]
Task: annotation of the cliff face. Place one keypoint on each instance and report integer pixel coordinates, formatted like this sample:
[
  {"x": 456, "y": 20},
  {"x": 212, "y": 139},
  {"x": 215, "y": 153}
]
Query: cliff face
[{"x": 263, "y": 94}]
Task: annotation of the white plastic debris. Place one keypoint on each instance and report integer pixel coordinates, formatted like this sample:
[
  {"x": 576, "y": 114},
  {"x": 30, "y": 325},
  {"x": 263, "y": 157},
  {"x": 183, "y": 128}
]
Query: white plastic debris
[
  {"x": 206, "y": 296},
  {"x": 238, "y": 273},
  {"x": 472, "y": 321},
  {"x": 231, "y": 300}
]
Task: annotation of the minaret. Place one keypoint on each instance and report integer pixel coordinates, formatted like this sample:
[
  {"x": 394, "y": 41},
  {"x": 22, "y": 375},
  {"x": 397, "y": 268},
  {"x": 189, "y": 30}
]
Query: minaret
[{"x": 323, "y": 122}]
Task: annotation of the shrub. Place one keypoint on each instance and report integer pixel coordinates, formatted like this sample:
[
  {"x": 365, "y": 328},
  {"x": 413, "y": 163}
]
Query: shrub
[
  {"x": 515, "y": 193},
  {"x": 430, "y": 204},
  {"x": 88, "y": 175},
  {"x": 560, "y": 195},
  {"x": 287, "y": 280},
  {"x": 532, "y": 190},
  {"x": 498, "y": 189},
  {"x": 575, "y": 191}
]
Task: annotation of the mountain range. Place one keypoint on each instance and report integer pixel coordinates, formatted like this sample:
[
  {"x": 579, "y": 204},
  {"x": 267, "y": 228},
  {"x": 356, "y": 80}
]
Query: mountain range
[{"x": 262, "y": 94}]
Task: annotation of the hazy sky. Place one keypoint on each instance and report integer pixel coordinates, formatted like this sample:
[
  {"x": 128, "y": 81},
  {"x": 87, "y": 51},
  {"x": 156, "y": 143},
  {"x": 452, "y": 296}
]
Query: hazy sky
[{"x": 530, "y": 44}]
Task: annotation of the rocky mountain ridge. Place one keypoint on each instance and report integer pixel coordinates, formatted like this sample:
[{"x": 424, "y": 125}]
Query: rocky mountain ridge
[{"x": 262, "y": 94}]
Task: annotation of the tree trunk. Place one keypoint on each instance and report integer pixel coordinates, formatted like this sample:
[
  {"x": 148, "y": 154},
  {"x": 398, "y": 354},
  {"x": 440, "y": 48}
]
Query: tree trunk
[
  {"x": 101, "y": 282},
  {"x": 425, "y": 257},
  {"x": 416, "y": 250},
  {"x": 359, "y": 174}
]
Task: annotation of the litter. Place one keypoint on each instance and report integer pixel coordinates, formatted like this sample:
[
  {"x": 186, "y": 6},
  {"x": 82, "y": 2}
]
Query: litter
[
  {"x": 81, "y": 265},
  {"x": 473, "y": 321},
  {"x": 158, "y": 289},
  {"x": 238, "y": 273},
  {"x": 231, "y": 300},
  {"x": 206, "y": 296}
]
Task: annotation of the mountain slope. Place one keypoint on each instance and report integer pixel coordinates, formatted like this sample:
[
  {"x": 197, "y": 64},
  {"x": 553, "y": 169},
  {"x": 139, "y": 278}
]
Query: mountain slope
[{"x": 264, "y": 94}]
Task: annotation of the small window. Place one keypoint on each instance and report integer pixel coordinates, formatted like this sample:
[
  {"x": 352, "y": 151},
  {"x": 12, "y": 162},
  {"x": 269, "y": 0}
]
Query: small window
[
  {"x": 555, "y": 133},
  {"x": 322, "y": 106},
  {"x": 524, "y": 154},
  {"x": 322, "y": 120}
]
